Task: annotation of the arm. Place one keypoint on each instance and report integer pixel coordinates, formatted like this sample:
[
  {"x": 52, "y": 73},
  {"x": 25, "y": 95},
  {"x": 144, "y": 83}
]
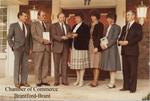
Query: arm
[
  {"x": 97, "y": 34},
  {"x": 138, "y": 37},
  {"x": 34, "y": 34},
  {"x": 113, "y": 39},
  {"x": 54, "y": 34},
  {"x": 10, "y": 36}
]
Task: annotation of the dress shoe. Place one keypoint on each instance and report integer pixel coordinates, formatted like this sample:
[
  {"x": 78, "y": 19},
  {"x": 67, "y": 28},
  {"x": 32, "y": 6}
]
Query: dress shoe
[
  {"x": 132, "y": 91},
  {"x": 46, "y": 84},
  {"x": 25, "y": 84},
  {"x": 80, "y": 84},
  {"x": 94, "y": 85},
  {"x": 38, "y": 85},
  {"x": 123, "y": 89},
  {"x": 17, "y": 85},
  {"x": 76, "y": 83},
  {"x": 111, "y": 86},
  {"x": 65, "y": 83},
  {"x": 56, "y": 84}
]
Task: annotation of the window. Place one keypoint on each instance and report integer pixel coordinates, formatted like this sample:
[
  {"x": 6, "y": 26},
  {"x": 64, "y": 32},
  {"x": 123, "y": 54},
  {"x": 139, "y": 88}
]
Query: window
[{"x": 3, "y": 29}]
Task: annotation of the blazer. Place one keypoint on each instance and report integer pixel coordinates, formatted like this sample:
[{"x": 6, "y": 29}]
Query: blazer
[
  {"x": 134, "y": 36},
  {"x": 37, "y": 35},
  {"x": 57, "y": 43},
  {"x": 81, "y": 42},
  {"x": 97, "y": 35},
  {"x": 16, "y": 37}
]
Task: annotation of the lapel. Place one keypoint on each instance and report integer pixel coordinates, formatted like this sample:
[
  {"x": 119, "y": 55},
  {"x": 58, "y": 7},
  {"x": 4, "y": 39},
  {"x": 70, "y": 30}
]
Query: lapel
[
  {"x": 40, "y": 26},
  {"x": 19, "y": 27},
  {"x": 59, "y": 28},
  {"x": 110, "y": 31}
]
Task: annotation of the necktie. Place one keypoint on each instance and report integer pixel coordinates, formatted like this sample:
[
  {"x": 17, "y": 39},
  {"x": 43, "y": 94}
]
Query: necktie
[
  {"x": 127, "y": 30},
  {"x": 63, "y": 30},
  {"x": 44, "y": 27},
  {"x": 23, "y": 28}
]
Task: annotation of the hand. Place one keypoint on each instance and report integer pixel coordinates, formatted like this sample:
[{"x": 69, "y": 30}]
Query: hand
[
  {"x": 95, "y": 50},
  {"x": 64, "y": 38},
  {"x": 104, "y": 46},
  {"x": 46, "y": 41},
  {"x": 125, "y": 43},
  {"x": 74, "y": 35},
  {"x": 30, "y": 51}
]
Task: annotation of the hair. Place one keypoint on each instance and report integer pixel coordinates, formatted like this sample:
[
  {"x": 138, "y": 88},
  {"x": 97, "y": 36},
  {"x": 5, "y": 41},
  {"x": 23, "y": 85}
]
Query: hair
[
  {"x": 59, "y": 14},
  {"x": 133, "y": 12},
  {"x": 80, "y": 15},
  {"x": 96, "y": 14},
  {"x": 39, "y": 12},
  {"x": 20, "y": 13},
  {"x": 112, "y": 16}
]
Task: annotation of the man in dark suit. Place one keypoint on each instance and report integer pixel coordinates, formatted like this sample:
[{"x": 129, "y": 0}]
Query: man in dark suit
[
  {"x": 19, "y": 39},
  {"x": 129, "y": 39},
  {"x": 60, "y": 48},
  {"x": 41, "y": 49}
]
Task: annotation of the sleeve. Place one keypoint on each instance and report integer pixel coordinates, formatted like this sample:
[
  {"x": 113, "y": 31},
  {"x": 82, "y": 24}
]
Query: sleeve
[
  {"x": 35, "y": 36},
  {"x": 54, "y": 34},
  {"x": 10, "y": 36},
  {"x": 138, "y": 37},
  {"x": 113, "y": 39},
  {"x": 97, "y": 34}
]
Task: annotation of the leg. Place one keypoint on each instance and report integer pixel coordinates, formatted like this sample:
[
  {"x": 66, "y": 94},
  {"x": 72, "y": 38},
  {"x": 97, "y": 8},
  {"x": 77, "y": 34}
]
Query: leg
[
  {"x": 24, "y": 69},
  {"x": 38, "y": 58},
  {"x": 17, "y": 66},
  {"x": 45, "y": 66},
  {"x": 56, "y": 66},
  {"x": 78, "y": 78},
  {"x": 64, "y": 61},
  {"x": 133, "y": 76},
  {"x": 96, "y": 76},
  {"x": 126, "y": 73},
  {"x": 81, "y": 77},
  {"x": 112, "y": 79}
]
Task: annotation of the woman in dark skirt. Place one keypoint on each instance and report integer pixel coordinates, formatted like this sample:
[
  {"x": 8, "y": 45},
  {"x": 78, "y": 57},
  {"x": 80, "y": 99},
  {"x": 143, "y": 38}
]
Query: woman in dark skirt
[
  {"x": 79, "y": 53},
  {"x": 96, "y": 31},
  {"x": 110, "y": 60}
]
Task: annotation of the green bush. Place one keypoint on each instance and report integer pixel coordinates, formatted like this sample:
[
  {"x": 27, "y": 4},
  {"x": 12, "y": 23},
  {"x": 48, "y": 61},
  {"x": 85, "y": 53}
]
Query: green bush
[{"x": 146, "y": 97}]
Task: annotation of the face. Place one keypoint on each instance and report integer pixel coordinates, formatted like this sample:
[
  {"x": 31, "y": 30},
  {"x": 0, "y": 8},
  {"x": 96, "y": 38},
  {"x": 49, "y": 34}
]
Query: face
[
  {"x": 110, "y": 21},
  {"x": 42, "y": 16},
  {"x": 130, "y": 16},
  {"x": 78, "y": 19},
  {"x": 93, "y": 18},
  {"x": 23, "y": 17},
  {"x": 62, "y": 18}
]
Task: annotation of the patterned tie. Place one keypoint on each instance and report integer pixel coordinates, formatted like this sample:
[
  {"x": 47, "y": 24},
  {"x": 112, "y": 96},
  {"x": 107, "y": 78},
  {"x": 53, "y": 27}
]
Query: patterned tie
[
  {"x": 127, "y": 30},
  {"x": 63, "y": 30},
  {"x": 44, "y": 27},
  {"x": 23, "y": 29}
]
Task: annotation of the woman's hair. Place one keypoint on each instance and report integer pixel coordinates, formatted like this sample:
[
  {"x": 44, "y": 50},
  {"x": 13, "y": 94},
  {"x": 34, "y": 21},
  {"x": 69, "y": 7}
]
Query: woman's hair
[
  {"x": 112, "y": 16},
  {"x": 96, "y": 14},
  {"x": 80, "y": 15}
]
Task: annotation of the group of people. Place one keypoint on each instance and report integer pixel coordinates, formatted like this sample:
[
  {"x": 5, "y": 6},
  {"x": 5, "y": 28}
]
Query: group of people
[{"x": 80, "y": 46}]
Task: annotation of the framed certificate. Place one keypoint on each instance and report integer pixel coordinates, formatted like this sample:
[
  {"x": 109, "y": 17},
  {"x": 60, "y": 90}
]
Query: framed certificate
[{"x": 46, "y": 35}]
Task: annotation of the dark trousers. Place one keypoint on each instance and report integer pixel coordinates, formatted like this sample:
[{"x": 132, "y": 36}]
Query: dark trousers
[
  {"x": 20, "y": 65},
  {"x": 60, "y": 62},
  {"x": 130, "y": 64}
]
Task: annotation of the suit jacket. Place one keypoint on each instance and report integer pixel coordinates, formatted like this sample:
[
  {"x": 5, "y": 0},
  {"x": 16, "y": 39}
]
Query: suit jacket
[
  {"x": 133, "y": 38},
  {"x": 81, "y": 42},
  {"x": 37, "y": 35},
  {"x": 57, "y": 43},
  {"x": 97, "y": 35},
  {"x": 16, "y": 37}
]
